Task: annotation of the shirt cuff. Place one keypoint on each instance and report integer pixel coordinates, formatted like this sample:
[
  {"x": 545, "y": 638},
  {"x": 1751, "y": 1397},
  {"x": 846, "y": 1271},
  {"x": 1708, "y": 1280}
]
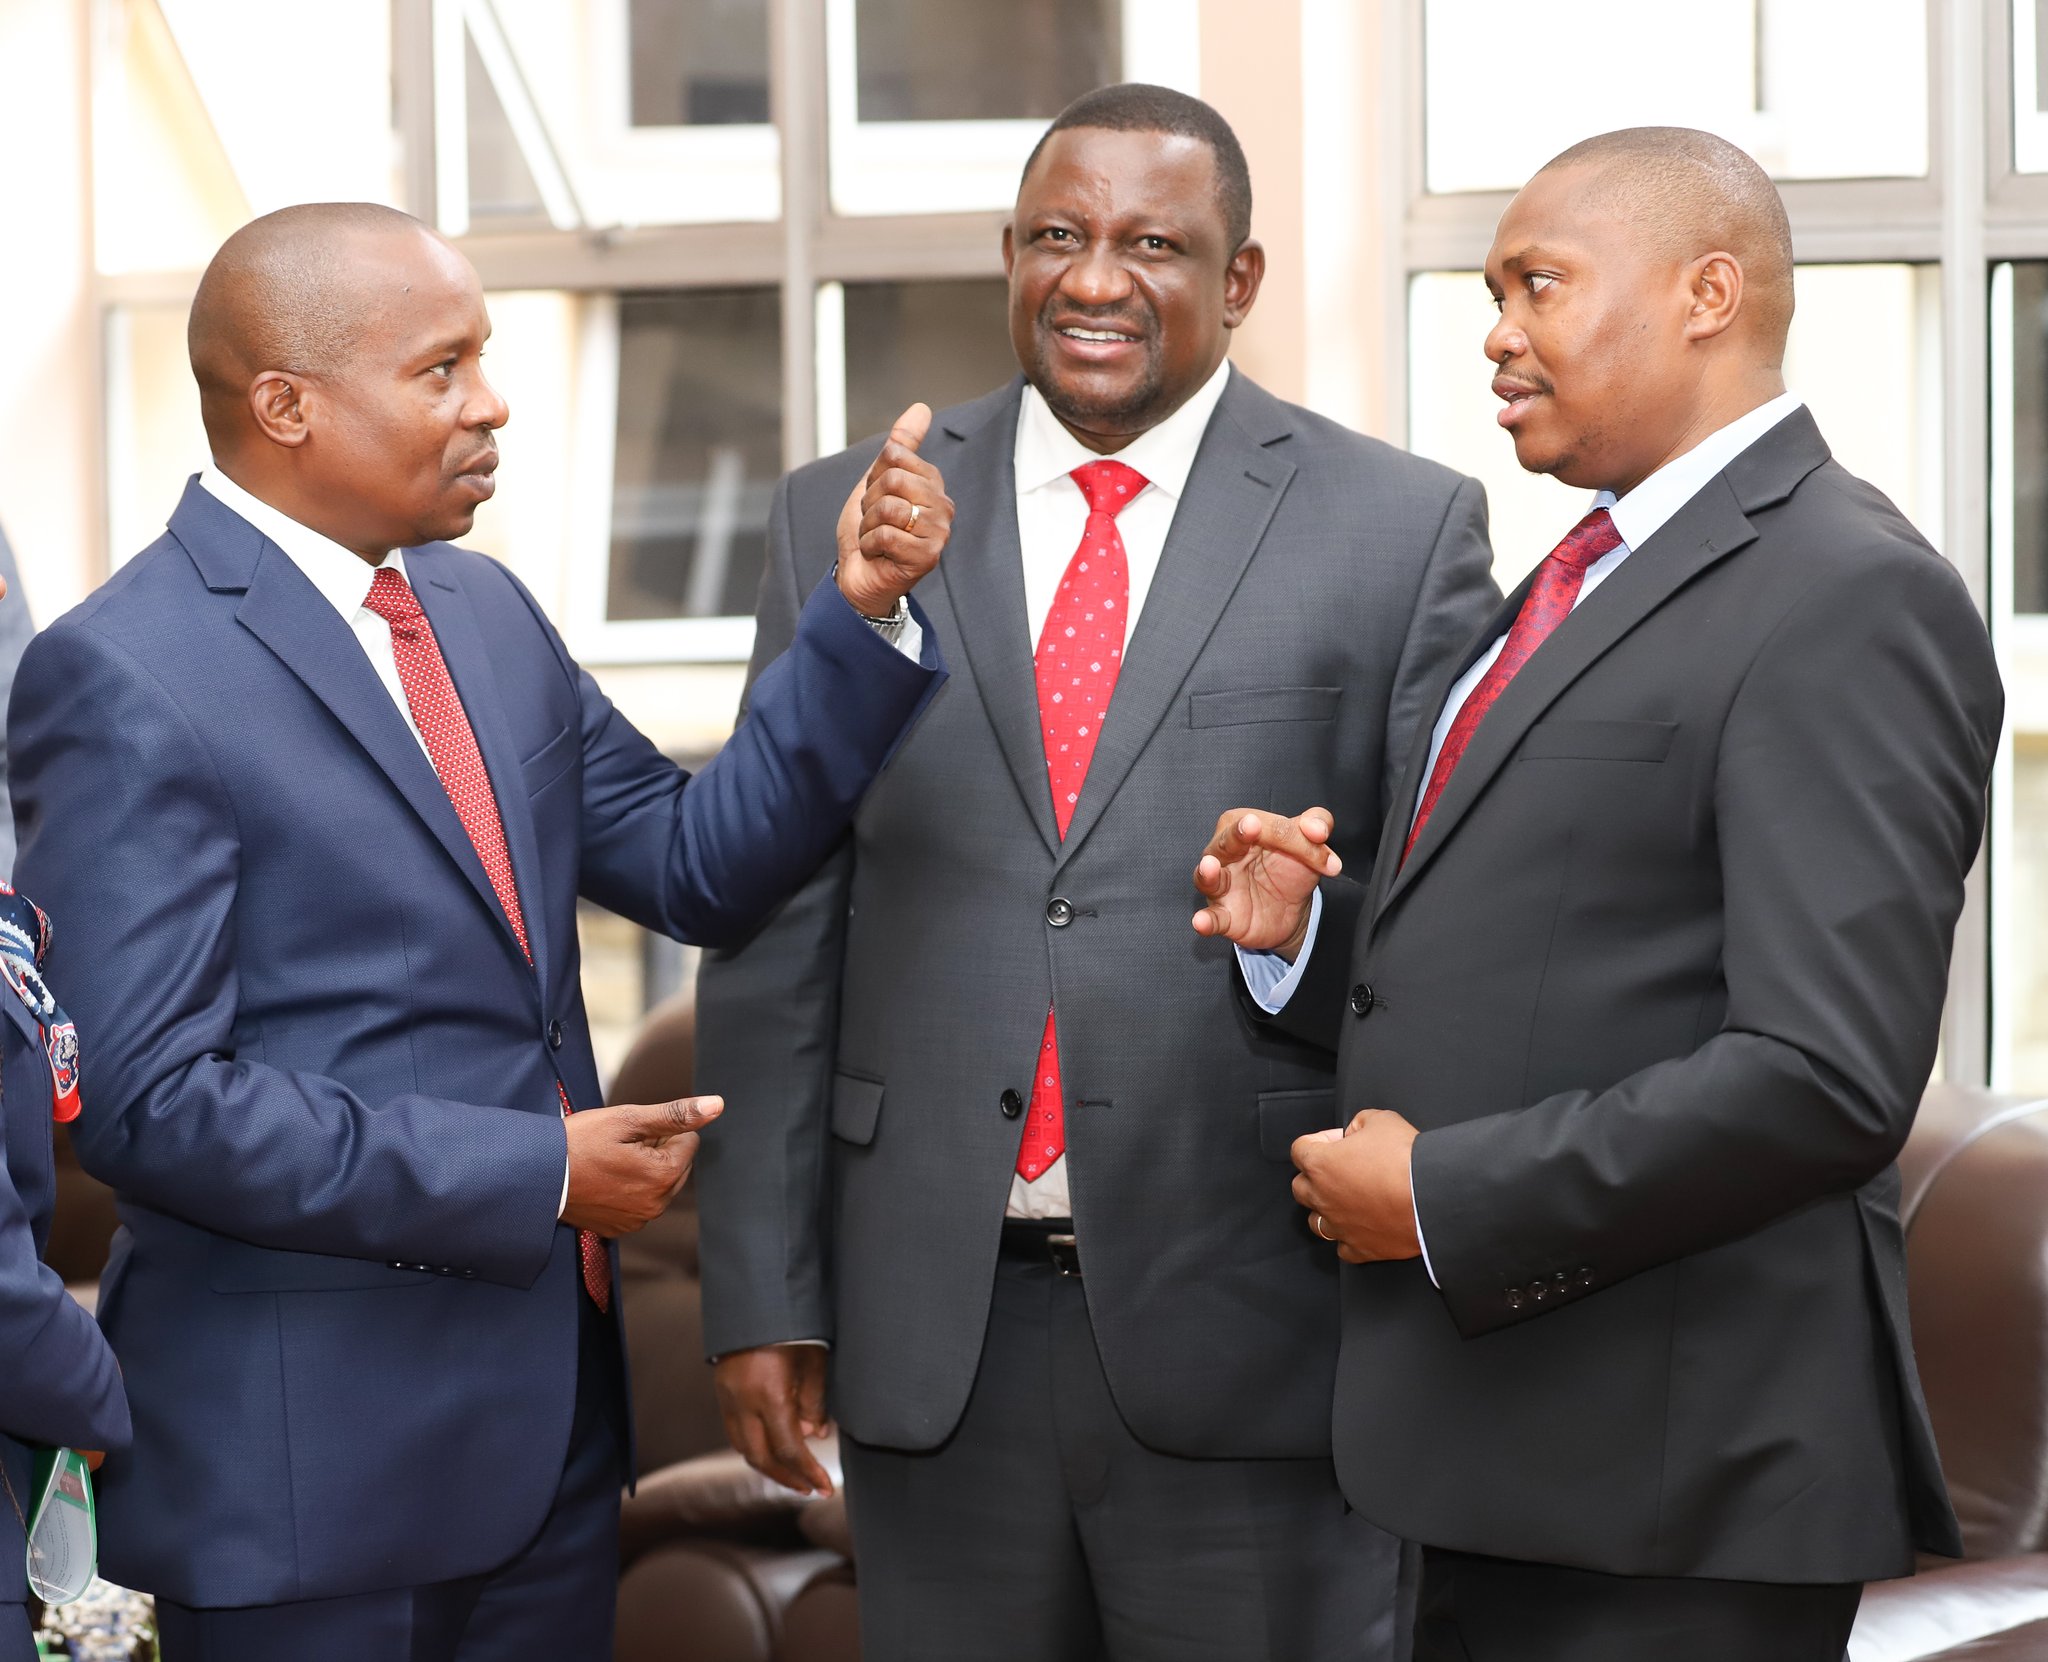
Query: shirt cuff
[
  {"x": 1270, "y": 978},
  {"x": 1420, "y": 1239},
  {"x": 563, "y": 1205}
]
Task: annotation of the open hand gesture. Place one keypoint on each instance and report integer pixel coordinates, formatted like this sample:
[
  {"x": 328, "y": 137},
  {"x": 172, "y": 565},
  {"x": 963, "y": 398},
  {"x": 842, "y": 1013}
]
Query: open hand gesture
[{"x": 1259, "y": 872}]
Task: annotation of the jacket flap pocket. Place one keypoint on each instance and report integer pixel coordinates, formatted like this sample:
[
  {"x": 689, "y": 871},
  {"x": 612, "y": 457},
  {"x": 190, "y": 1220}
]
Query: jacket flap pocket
[
  {"x": 1286, "y": 1115},
  {"x": 1253, "y": 704},
  {"x": 238, "y": 1267},
  {"x": 550, "y": 762},
  {"x": 856, "y": 1102},
  {"x": 1599, "y": 741}
]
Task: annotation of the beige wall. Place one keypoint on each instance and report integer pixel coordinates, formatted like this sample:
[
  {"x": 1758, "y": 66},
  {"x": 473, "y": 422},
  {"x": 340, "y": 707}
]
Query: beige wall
[{"x": 49, "y": 354}]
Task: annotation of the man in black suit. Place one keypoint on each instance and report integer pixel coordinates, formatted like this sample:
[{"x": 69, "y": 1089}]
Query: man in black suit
[
  {"x": 1083, "y": 1364},
  {"x": 1634, "y": 1012}
]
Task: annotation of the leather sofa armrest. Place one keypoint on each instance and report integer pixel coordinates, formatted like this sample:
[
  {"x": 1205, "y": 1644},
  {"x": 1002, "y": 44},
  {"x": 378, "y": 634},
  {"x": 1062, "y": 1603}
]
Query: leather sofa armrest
[
  {"x": 1935, "y": 1612},
  {"x": 719, "y": 1495}
]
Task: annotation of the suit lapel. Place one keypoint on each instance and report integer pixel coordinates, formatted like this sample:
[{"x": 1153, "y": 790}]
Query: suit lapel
[
  {"x": 1232, "y": 491},
  {"x": 283, "y": 610},
  {"x": 1710, "y": 527},
  {"x": 983, "y": 574},
  {"x": 476, "y": 684}
]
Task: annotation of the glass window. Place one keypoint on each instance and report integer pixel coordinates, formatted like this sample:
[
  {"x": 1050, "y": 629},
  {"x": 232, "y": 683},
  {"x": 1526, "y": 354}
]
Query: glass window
[
  {"x": 1887, "y": 428},
  {"x": 604, "y": 112},
  {"x": 155, "y": 440},
  {"x": 2030, "y": 85},
  {"x": 1808, "y": 95},
  {"x": 932, "y": 106},
  {"x": 937, "y": 60},
  {"x": 943, "y": 342},
  {"x": 698, "y": 437},
  {"x": 698, "y": 63}
]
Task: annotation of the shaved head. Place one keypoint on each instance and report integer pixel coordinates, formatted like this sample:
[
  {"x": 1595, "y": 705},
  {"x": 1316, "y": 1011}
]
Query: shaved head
[
  {"x": 284, "y": 293},
  {"x": 339, "y": 353},
  {"x": 1689, "y": 193}
]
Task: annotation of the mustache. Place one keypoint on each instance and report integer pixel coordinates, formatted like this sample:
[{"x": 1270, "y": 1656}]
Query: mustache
[{"x": 1125, "y": 320}]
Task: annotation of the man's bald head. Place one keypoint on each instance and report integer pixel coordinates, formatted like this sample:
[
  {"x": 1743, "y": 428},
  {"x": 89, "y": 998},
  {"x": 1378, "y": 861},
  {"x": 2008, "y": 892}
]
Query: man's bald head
[
  {"x": 1689, "y": 193},
  {"x": 285, "y": 292}
]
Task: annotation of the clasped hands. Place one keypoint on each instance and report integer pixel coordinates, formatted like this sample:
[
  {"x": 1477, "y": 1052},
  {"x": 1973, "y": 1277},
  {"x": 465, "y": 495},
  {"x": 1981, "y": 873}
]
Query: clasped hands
[{"x": 1258, "y": 876}]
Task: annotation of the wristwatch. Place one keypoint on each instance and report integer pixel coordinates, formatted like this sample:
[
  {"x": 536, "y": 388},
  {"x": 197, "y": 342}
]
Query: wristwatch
[{"x": 889, "y": 626}]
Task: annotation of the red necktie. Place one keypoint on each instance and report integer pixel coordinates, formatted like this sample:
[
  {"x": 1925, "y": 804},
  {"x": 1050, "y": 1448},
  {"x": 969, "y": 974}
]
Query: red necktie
[
  {"x": 451, "y": 744},
  {"x": 1549, "y": 603},
  {"x": 1080, "y": 649}
]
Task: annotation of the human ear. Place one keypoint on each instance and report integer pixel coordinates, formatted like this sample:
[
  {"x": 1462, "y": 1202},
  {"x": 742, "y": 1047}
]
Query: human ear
[
  {"x": 1241, "y": 280},
  {"x": 277, "y": 402},
  {"x": 1714, "y": 282}
]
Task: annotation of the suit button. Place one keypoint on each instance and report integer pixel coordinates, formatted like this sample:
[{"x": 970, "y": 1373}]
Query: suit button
[
  {"x": 1514, "y": 1299},
  {"x": 1586, "y": 1278},
  {"x": 1013, "y": 1105},
  {"x": 1361, "y": 1000},
  {"x": 1059, "y": 912},
  {"x": 554, "y": 1035},
  {"x": 1538, "y": 1291}
]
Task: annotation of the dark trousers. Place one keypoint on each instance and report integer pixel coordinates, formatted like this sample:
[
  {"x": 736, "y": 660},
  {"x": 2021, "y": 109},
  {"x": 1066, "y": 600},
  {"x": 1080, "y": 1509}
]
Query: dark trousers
[
  {"x": 1043, "y": 1531},
  {"x": 555, "y": 1599},
  {"x": 17, "y": 1643},
  {"x": 1496, "y": 1610}
]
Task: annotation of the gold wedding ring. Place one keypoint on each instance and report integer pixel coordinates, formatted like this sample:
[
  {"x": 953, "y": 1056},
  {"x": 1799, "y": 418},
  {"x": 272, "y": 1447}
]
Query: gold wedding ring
[
  {"x": 916, "y": 508},
  {"x": 1315, "y": 1222}
]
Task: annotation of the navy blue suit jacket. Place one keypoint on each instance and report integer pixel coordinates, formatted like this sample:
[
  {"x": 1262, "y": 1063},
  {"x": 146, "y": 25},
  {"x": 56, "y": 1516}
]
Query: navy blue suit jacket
[
  {"x": 59, "y": 1387},
  {"x": 318, "y": 1070}
]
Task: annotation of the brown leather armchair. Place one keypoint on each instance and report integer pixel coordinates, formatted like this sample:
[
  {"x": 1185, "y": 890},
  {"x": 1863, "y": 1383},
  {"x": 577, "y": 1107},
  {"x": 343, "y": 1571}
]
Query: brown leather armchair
[
  {"x": 1975, "y": 1207},
  {"x": 717, "y": 1564}
]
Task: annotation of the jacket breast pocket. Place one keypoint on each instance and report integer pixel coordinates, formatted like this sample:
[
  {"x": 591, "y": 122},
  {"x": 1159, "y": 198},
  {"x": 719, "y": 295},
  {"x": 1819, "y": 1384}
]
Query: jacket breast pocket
[
  {"x": 1598, "y": 741},
  {"x": 1263, "y": 704},
  {"x": 856, "y": 1105},
  {"x": 550, "y": 762},
  {"x": 1286, "y": 1115}
]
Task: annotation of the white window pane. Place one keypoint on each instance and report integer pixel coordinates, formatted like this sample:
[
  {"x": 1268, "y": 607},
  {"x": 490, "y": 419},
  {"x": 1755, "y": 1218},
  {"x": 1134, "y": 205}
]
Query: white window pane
[
  {"x": 623, "y": 112},
  {"x": 155, "y": 441},
  {"x": 1885, "y": 427},
  {"x": 1811, "y": 92},
  {"x": 2030, "y": 85},
  {"x": 933, "y": 105},
  {"x": 942, "y": 342}
]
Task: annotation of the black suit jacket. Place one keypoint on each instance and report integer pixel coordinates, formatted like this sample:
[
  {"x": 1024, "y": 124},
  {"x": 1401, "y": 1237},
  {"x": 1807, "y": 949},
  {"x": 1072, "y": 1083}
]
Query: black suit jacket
[{"x": 1661, "y": 985}]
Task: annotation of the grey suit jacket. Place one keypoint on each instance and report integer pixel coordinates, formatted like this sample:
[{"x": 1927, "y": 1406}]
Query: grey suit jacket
[
  {"x": 1312, "y": 589},
  {"x": 1661, "y": 983}
]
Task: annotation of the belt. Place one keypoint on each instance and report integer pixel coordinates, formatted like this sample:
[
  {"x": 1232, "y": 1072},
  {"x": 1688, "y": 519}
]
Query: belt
[{"x": 1042, "y": 1241}]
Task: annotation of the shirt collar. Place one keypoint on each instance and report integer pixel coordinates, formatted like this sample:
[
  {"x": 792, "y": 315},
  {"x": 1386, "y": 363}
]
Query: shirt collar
[
  {"x": 1642, "y": 513},
  {"x": 1165, "y": 455},
  {"x": 338, "y": 574}
]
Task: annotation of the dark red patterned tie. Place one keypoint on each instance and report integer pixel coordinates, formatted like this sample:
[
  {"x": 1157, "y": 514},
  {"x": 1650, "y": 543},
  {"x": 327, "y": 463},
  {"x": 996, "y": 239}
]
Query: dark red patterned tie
[
  {"x": 451, "y": 743},
  {"x": 1549, "y": 603},
  {"x": 1080, "y": 650}
]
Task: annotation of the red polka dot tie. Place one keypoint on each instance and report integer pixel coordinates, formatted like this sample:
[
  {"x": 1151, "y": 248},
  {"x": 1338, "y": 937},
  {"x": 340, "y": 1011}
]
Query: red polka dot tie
[
  {"x": 451, "y": 744},
  {"x": 1080, "y": 650},
  {"x": 1549, "y": 602}
]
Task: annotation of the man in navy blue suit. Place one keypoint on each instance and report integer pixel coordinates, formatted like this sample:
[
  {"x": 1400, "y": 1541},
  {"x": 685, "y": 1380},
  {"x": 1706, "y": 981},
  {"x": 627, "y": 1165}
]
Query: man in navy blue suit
[
  {"x": 61, "y": 1388},
  {"x": 315, "y": 793}
]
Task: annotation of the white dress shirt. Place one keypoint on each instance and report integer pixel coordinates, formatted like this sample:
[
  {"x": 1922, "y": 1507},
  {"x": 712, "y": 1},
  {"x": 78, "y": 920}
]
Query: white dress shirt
[
  {"x": 1638, "y": 516},
  {"x": 1051, "y": 515}
]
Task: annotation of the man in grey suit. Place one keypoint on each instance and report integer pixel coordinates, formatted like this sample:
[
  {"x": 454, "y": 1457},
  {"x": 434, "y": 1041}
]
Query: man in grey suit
[
  {"x": 999, "y": 1135},
  {"x": 1635, "y": 1011}
]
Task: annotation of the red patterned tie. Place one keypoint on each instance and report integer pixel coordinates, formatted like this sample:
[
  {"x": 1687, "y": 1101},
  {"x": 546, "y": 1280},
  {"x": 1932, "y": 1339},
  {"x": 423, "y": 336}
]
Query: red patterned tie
[
  {"x": 1080, "y": 650},
  {"x": 451, "y": 743},
  {"x": 1549, "y": 603}
]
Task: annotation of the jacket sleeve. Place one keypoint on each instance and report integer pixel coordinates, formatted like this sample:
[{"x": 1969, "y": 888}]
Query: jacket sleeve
[
  {"x": 1849, "y": 804},
  {"x": 706, "y": 858},
  {"x": 767, "y": 1021},
  {"x": 60, "y": 1387},
  {"x": 129, "y": 841},
  {"x": 1457, "y": 595}
]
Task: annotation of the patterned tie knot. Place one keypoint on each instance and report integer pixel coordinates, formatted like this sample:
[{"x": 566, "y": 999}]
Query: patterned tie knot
[
  {"x": 1109, "y": 485},
  {"x": 392, "y": 599},
  {"x": 1591, "y": 539}
]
